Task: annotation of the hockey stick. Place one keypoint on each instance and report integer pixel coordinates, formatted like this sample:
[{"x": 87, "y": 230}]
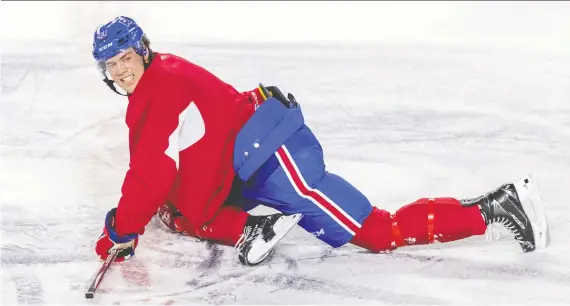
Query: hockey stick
[{"x": 99, "y": 276}]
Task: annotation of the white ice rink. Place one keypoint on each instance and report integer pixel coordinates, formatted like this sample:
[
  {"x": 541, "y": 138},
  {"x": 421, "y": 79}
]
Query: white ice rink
[{"x": 401, "y": 120}]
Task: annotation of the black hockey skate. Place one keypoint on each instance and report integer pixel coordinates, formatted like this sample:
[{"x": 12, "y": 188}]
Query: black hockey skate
[
  {"x": 261, "y": 234},
  {"x": 518, "y": 207}
]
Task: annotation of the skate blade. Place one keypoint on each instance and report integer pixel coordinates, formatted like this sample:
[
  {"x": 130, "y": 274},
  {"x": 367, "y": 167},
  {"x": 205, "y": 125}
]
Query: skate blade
[
  {"x": 281, "y": 228},
  {"x": 529, "y": 194}
]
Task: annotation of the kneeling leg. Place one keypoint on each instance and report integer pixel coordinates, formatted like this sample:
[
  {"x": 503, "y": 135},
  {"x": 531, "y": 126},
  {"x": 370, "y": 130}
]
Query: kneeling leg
[{"x": 333, "y": 210}]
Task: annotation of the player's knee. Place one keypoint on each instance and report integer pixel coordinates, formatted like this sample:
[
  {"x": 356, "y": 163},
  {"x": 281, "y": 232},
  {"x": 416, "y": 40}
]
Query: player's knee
[{"x": 376, "y": 233}]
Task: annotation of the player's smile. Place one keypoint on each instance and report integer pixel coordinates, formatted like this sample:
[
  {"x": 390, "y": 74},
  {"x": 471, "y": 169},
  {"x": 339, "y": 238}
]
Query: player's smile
[{"x": 126, "y": 69}]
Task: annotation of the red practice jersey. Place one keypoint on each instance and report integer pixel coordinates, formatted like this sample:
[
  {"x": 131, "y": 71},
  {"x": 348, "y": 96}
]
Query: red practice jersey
[{"x": 182, "y": 123}]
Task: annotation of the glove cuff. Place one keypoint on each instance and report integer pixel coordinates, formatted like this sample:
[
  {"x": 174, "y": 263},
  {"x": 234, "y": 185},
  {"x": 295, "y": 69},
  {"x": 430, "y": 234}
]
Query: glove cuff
[{"x": 110, "y": 229}]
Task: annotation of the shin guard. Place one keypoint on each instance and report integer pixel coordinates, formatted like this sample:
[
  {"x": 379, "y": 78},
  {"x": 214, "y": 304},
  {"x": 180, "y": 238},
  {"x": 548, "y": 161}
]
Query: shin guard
[{"x": 422, "y": 222}]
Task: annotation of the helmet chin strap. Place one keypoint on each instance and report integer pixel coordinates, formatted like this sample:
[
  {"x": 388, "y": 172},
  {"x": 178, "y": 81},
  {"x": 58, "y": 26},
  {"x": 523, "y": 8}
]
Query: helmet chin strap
[{"x": 111, "y": 83}]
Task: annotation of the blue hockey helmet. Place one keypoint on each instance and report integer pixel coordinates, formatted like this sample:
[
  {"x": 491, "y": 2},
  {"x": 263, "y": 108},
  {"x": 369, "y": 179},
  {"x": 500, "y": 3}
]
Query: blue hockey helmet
[{"x": 117, "y": 36}]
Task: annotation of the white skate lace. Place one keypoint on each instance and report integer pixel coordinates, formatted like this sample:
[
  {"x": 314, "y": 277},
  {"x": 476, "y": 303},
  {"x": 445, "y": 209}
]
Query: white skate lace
[
  {"x": 493, "y": 233},
  {"x": 245, "y": 237}
]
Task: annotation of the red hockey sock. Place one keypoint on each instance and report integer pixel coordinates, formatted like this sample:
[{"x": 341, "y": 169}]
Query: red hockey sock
[{"x": 421, "y": 222}]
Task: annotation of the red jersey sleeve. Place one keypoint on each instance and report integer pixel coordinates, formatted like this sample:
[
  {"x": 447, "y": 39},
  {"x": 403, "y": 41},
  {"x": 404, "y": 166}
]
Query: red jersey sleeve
[{"x": 153, "y": 164}]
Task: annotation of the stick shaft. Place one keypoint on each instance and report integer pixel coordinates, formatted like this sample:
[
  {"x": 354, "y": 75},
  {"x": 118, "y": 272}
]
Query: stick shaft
[{"x": 99, "y": 276}]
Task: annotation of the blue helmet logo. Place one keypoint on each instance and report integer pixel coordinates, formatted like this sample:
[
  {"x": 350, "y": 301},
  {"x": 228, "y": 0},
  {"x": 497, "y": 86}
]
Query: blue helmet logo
[{"x": 117, "y": 36}]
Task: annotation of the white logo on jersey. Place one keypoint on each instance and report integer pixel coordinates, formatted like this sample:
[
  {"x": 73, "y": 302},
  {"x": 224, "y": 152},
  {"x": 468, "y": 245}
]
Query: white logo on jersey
[{"x": 191, "y": 128}]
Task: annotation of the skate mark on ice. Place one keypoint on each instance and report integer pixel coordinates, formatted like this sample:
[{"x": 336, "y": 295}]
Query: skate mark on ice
[
  {"x": 208, "y": 266},
  {"x": 208, "y": 272},
  {"x": 135, "y": 273},
  {"x": 214, "y": 259},
  {"x": 198, "y": 284},
  {"x": 33, "y": 259},
  {"x": 467, "y": 268},
  {"x": 29, "y": 290},
  {"x": 322, "y": 286},
  {"x": 288, "y": 260},
  {"x": 442, "y": 266},
  {"x": 211, "y": 295},
  {"x": 292, "y": 262},
  {"x": 181, "y": 259},
  {"x": 219, "y": 297},
  {"x": 328, "y": 253}
]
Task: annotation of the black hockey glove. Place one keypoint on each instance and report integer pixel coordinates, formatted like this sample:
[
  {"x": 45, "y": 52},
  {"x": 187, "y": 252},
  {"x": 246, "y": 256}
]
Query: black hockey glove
[{"x": 289, "y": 102}]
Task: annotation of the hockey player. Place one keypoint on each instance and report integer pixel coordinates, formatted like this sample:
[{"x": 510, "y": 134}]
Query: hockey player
[
  {"x": 183, "y": 122},
  {"x": 202, "y": 154}
]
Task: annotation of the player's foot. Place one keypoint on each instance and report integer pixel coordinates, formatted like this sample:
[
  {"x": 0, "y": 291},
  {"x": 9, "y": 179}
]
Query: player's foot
[
  {"x": 261, "y": 234},
  {"x": 518, "y": 207}
]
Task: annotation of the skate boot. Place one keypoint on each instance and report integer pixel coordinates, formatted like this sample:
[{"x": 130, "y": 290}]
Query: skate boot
[
  {"x": 518, "y": 207},
  {"x": 261, "y": 234}
]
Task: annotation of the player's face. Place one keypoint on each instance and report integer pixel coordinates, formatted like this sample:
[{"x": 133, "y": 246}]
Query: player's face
[{"x": 126, "y": 69}]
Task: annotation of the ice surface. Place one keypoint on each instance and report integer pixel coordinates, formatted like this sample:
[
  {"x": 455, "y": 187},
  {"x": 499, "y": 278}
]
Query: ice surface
[{"x": 398, "y": 121}]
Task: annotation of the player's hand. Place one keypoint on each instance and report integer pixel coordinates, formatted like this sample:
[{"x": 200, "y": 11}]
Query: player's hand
[
  {"x": 275, "y": 92},
  {"x": 110, "y": 240},
  {"x": 170, "y": 216}
]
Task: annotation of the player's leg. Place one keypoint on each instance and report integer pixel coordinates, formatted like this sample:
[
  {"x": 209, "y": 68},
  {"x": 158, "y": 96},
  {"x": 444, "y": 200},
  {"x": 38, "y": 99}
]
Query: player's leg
[
  {"x": 261, "y": 233},
  {"x": 295, "y": 181},
  {"x": 421, "y": 222},
  {"x": 336, "y": 212},
  {"x": 226, "y": 228},
  {"x": 517, "y": 206},
  {"x": 254, "y": 236}
]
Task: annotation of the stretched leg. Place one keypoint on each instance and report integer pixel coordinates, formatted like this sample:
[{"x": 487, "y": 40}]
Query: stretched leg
[
  {"x": 421, "y": 222},
  {"x": 295, "y": 181},
  {"x": 336, "y": 212},
  {"x": 448, "y": 219}
]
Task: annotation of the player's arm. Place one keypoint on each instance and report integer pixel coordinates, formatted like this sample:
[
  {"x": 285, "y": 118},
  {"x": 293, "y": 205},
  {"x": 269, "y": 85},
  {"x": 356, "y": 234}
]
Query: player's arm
[
  {"x": 153, "y": 166},
  {"x": 152, "y": 171}
]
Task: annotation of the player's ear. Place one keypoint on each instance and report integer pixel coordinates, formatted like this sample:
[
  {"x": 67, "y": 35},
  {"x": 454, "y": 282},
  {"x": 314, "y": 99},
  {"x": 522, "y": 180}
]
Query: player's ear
[{"x": 147, "y": 56}]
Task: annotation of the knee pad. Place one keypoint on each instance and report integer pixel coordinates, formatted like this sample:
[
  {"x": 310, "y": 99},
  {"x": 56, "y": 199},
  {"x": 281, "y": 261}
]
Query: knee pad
[
  {"x": 376, "y": 233},
  {"x": 411, "y": 224},
  {"x": 429, "y": 219}
]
